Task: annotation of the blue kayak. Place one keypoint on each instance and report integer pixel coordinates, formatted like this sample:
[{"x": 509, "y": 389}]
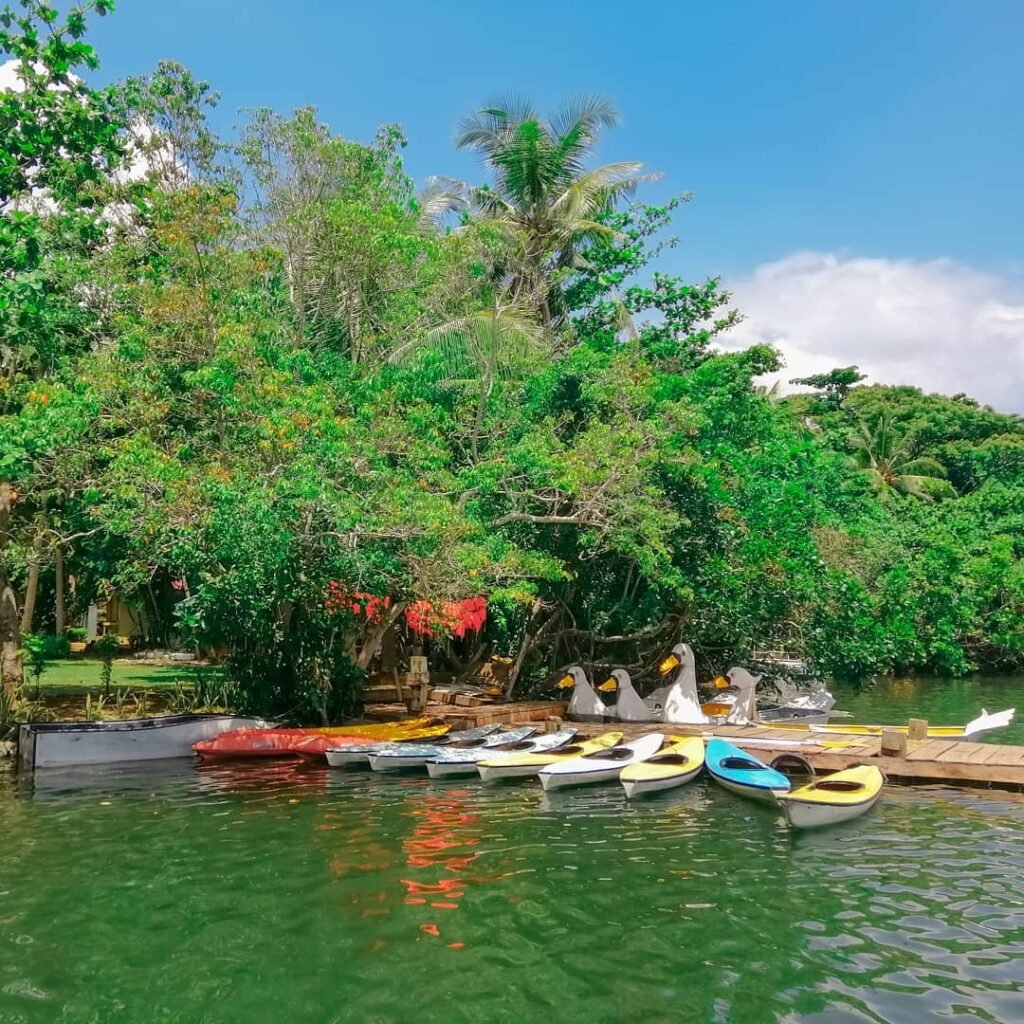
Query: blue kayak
[{"x": 743, "y": 773}]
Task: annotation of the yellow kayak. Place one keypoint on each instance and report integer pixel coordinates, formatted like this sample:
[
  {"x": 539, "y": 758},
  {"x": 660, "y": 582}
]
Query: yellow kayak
[
  {"x": 677, "y": 763},
  {"x": 834, "y": 798},
  {"x": 517, "y": 765},
  {"x": 985, "y": 722}
]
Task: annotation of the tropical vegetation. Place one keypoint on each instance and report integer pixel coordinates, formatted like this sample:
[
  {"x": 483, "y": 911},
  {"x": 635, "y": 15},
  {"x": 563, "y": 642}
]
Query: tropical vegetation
[{"x": 274, "y": 395}]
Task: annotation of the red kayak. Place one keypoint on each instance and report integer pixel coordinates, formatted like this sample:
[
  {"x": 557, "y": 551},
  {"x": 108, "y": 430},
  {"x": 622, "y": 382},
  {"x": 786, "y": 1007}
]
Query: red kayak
[
  {"x": 264, "y": 743},
  {"x": 284, "y": 742}
]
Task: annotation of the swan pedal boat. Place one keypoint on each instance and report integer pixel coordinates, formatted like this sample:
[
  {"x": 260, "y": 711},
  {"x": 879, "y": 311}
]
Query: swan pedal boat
[
  {"x": 835, "y": 798},
  {"x": 600, "y": 766},
  {"x": 742, "y": 773},
  {"x": 675, "y": 765},
  {"x": 341, "y": 754},
  {"x": 415, "y": 755},
  {"x": 247, "y": 743},
  {"x": 449, "y": 763},
  {"x": 513, "y": 766}
]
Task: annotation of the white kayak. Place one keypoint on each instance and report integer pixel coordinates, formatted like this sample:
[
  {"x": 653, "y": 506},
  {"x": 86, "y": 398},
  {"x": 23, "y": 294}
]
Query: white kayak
[
  {"x": 601, "y": 766},
  {"x": 359, "y": 753},
  {"x": 416, "y": 755},
  {"x": 464, "y": 762}
]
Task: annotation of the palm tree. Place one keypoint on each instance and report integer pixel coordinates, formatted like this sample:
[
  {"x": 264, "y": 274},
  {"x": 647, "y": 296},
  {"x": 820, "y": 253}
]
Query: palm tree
[
  {"x": 496, "y": 341},
  {"x": 889, "y": 460},
  {"x": 542, "y": 196}
]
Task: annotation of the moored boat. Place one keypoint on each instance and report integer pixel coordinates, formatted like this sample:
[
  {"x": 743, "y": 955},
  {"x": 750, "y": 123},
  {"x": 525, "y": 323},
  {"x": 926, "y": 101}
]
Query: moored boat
[
  {"x": 314, "y": 748},
  {"x": 835, "y": 798},
  {"x": 415, "y": 755},
  {"x": 742, "y": 773},
  {"x": 453, "y": 762},
  {"x": 358, "y": 753},
  {"x": 249, "y": 743},
  {"x": 584, "y": 705},
  {"x": 511, "y": 766},
  {"x": 64, "y": 744},
  {"x": 600, "y": 766},
  {"x": 974, "y": 729},
  {"x": 674, "y": 765}
]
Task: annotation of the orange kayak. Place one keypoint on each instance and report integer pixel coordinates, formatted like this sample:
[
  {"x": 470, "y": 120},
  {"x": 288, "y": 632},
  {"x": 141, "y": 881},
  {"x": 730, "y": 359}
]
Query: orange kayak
[{"x": 280, "y": 742}]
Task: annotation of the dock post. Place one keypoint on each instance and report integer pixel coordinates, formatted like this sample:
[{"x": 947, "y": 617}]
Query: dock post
[
  {"x": 893, "y": 743},
  {"x": 917, "y": 729}
]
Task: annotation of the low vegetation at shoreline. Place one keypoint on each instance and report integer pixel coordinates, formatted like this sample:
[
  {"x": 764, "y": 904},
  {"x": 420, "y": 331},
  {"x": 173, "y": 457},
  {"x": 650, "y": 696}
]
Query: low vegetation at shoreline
[{"x": 270, "y": 391}]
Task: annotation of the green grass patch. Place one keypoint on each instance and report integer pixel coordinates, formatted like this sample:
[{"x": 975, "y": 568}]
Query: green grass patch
[{"x": 83, "y": 675}]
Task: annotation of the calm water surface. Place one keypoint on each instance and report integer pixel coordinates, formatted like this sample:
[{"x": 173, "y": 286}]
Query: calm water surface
[{"x": 280, "y": 893}]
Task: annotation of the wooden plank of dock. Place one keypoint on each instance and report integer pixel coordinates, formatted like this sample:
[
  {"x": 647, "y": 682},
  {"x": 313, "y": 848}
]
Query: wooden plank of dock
[{"x": 938, "y": 760}]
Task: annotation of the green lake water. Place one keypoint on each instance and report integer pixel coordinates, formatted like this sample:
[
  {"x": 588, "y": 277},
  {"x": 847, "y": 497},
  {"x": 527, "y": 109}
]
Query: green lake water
[{"x": 299, "y": 895}]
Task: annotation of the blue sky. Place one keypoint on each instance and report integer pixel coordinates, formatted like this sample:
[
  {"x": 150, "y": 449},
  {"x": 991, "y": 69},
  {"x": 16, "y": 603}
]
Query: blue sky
[{"x": 872, "y": 135}]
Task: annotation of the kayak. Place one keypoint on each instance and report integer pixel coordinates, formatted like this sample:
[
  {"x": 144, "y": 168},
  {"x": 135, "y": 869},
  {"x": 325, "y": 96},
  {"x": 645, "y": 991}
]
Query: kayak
[
  {"x": 743, "y": 773},
  {"x": 835, "y": 798},
  {"x": 341, "y": 754},
  {"x": 314, "y": 748},
  {"x": 279, "y": 742},
  {"x": 511, "y": 766},
  {"x": 451, "y": 762},
  {"x": 675, "y": 765},
  {"x": 984, "y": 723},
  {"x": 602, "y": 765},
  {"x": 416, "y": 755}
]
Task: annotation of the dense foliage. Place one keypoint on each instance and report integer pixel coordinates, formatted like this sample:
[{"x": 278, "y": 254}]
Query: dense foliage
[{"x": 237, "y": 378}]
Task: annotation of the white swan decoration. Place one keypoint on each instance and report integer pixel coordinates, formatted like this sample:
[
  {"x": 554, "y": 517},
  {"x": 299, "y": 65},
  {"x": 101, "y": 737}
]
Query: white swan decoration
[
  {"x": 585, "y": 705},
  {"x": 630, "y": 706},
  {"x": 682, "y": 703},
  {"x": 744, "y": 710}
]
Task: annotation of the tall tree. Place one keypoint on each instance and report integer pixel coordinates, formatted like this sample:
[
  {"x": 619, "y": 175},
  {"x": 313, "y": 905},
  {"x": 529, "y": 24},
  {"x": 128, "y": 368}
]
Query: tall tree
[
  {"x": 543, "y": 195},
  {"x": 891, "y": 463}
]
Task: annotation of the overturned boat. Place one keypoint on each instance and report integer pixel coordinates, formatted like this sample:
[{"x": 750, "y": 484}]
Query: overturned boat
[
  {"x": 66, "y": 744},
  {"x": 513, "y": 766},
  {"x": 416, "y": 755},
  {"x": 359, "y": 752},
  {"x": 251, "y": 743},
  {"x": 452, "y": 762}
]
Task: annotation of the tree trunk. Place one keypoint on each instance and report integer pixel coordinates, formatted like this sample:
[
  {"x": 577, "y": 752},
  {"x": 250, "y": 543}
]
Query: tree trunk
[
  {"x": 365, "y": 656},
  {"x": 10, "y": 660},
  {"x": 28, "y": 609},
  {"x": 59, "y": 615}
]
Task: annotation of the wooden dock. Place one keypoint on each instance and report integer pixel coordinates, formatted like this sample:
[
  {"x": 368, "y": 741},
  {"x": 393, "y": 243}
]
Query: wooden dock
[{"x": 926, "y": 761}]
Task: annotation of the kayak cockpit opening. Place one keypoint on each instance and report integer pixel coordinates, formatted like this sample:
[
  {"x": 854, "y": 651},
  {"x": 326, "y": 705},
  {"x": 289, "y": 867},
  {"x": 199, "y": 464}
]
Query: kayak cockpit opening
[
  {"x": 669, "y": 759},
  {"x": 839, "y": 786},
  {"x": 614, "y": 754},
  {"x": 742, "y": 764}
]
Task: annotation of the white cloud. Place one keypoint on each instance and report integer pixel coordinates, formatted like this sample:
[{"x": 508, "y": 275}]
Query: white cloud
[{"x": 939, "y": 325}]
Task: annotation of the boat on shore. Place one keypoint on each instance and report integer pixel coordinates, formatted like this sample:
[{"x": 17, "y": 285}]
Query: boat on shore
[
  {"x": 450, "y": 763},
  {"x": 742, "y": 773},
  {"x": 833, "y": 799},
  {"x": 600, "y": 766},
  {"x": 339, "y": 755},
  {"x": 517, "y": 766},
  {"x": 675, "y": 765},
  {"x": 67, "y": 744},
  {"x": 251, "y": 743}
]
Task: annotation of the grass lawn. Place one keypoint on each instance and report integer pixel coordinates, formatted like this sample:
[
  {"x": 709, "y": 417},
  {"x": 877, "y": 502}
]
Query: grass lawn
[{"x": 83, "y": 675}]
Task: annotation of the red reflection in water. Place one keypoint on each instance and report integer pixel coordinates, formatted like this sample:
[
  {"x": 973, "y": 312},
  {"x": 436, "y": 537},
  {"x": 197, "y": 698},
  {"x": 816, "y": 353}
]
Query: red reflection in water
[{"x": 441, "y": 846}]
